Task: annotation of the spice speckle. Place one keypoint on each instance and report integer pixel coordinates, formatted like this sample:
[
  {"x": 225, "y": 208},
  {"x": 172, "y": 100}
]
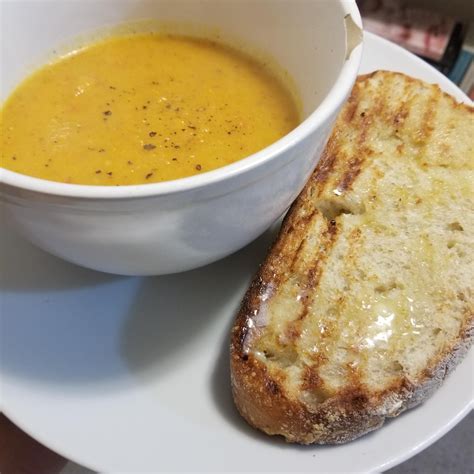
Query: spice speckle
[{"x": 149, "y": 146}]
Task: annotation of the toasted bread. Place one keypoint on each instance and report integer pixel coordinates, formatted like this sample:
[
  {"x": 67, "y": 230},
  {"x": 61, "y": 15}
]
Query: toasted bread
[{"x": 365, "y": 301}]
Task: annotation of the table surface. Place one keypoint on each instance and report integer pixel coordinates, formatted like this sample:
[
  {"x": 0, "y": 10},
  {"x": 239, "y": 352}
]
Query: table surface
[{"x": 452, "y": 454}]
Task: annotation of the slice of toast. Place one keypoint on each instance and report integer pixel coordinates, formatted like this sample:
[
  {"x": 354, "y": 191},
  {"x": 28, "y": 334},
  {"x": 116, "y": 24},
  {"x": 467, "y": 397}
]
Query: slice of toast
[{"x": 365, "y": 301}]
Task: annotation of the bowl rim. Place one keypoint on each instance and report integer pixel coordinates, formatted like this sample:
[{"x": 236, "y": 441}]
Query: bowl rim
[{"x": 332, "y": 101}]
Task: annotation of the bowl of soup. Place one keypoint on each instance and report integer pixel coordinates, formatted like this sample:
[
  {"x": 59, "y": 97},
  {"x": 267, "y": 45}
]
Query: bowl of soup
[{"x": 153, "y": 137}]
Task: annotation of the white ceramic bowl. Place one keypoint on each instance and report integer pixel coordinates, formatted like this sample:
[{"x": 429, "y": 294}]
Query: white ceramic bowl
[{"x": 183, "y": 224}]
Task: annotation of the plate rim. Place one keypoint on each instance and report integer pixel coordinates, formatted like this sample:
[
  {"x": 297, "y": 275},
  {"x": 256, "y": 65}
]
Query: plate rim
[{"x": 463, "y": 411}]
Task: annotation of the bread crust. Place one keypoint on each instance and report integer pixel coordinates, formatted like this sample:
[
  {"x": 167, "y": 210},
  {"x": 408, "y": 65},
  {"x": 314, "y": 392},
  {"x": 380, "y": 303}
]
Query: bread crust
[{"x": 261, "y": 398}]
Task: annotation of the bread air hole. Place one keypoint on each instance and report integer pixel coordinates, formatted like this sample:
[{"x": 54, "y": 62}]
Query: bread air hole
[
  {"x": 285, "y": 357},
  {"x": 397, "y": 367},
  {"x": 461, "y": 253},
  {"x": 386, "y": 287},
  {"x": 333, "y": 208},
  {"x": 459, "y": 250},
  {"x": 455, "y": 226},
  {"x": 450, "y": 244},
  {"x": 315, "y": 396}
]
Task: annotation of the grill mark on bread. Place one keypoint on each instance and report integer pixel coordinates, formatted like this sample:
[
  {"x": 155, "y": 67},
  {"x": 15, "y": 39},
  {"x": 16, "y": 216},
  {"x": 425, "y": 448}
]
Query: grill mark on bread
[
  {"x": 429, "y": 117},
  {"x": 401, "y": 116},
  {"x": 342, "y": 302},
  {"x": 325, "y": 167},
  {"x": 292, "y": 330},
  {"x": 315, "y": 271},
  {"x": 351, "y": 107},
  {"x": 363, "y": 151},
  {"x": 297, "y": 254},
  {"x": 272, "y": 386},
  {"x": 311, "y": 379},
  {"x": 313, "y": 385},
  {"x": 353, "y": 170}
]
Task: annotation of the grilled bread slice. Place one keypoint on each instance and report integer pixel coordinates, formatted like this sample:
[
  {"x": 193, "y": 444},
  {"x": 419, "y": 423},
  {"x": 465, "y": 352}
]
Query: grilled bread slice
[{"x": 365, "y": 301}]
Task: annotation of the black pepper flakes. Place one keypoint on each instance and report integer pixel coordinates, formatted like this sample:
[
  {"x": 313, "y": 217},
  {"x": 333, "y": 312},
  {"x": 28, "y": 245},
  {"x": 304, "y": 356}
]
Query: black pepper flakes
[
  {"x": 198, "y": 167},
  {"x": 152, "y": 134},
  {"x": 98, "y": 171},
  {"x": 130, "y": 162},
  {"x": 101, "y": 150},
  {"x": 149, "y": 146},
  {"x": 149, "y": 175},
  {"x": 107, "y": 113},
  {"x": 14, "y": 158},
  {"x": 110, "y": 173}
]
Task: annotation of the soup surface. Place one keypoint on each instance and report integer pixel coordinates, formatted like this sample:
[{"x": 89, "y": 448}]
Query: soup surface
[{"x": 143, "y": 108}]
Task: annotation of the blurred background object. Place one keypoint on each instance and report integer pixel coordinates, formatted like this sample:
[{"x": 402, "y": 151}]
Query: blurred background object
[
  {"x": 460, "y": 8},
  {"x": 441, "y": 33}
]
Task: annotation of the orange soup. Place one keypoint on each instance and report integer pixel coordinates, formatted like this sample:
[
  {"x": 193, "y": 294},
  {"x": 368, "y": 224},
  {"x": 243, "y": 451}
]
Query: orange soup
[{"x": 143, "y": 108}]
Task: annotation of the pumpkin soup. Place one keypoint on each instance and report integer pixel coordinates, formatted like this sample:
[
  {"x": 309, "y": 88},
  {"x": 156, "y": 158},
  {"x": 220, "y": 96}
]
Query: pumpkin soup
[{"x": 143, "y": 108}]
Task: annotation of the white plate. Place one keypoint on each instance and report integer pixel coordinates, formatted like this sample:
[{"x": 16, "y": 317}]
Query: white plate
[{"x": 131, "y": 374}]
